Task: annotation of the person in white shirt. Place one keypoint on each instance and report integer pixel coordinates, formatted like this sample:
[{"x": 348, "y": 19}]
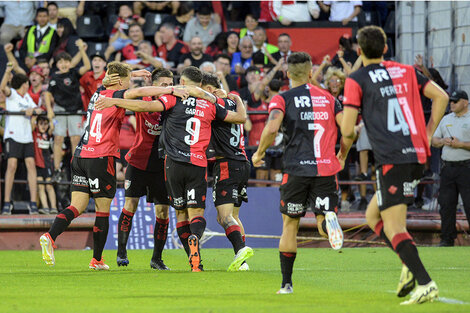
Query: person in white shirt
[
  {"x": 18, "y": 135},
  {"x": 342, "y": 11}
]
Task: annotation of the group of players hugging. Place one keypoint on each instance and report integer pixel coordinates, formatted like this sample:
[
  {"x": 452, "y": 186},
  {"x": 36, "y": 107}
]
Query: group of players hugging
[{"x": 175, "y": 125}]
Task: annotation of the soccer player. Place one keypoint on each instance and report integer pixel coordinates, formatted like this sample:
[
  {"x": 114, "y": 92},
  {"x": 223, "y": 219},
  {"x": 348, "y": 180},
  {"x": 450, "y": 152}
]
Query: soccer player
[
  {"x": 309, "y": 115},
  {"x": 93, "y": 165},
  {"x": 231, "y": 173},
  {"x": 388, "y": 93},
  {"x": 186, "y": 135}
]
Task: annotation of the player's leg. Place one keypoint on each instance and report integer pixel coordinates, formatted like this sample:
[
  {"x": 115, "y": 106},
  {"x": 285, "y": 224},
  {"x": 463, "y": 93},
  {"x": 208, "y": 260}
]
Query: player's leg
[
  {"x": 159, "y": 236},
  {"x": 183, "y": 229},
  {"x": 288, "y": 251},
  {"x": 124, "y": 228},
  {"x": 100, "y": 232},
  {"x": 230, "y": 225},
  {"x": 236, "y": 216}
]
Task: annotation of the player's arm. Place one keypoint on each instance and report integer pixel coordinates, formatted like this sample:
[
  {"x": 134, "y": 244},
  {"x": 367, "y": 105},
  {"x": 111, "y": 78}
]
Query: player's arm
[
  {"x": 440, "y": 99},
  {"x": 132, "y": 105},
  {"x": 267, "y": 136},
  {"x": 152, "y": 91},
  {"x": 238, "y": 117},
  {"x": 345, "y": 143},
  {"x": 348, "y": 122},
  {"x": 199, "y": 93},
  {"x": 6, "y": 77}
]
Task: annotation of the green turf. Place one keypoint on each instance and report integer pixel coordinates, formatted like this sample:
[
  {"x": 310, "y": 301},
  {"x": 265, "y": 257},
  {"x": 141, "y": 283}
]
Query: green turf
[{"x": 355, "y": 280}]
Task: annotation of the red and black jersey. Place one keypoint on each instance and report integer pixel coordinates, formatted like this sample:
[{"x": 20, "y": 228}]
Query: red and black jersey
[
  {"x": 144, "y": 153},
  {"x": 187, "y": 128},
  {"x": 101, "y": 136},
  {"x": 258, "y": 121},
  {"x": 127, "y": 134},
  {"x": 310, "y": 128},
  {"x": 42, "y": 148},
  {"x": 389, "y": 97},
  {"x": 227, "y": 139}
]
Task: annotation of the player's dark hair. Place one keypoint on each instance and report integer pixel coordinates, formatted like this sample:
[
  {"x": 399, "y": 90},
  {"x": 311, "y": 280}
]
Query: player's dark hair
[
  {"x": 52, "y": 3},
  {"x": 299, "y": 65},
  {"x": 223, "y": 56},
  {"x": 210, "y": 79},
  {"x": 18, "y": 80},
  {"x": 42, "y": 10},
  {"x": 63, "y": 56},
  {"x": 275, "y": 85},
  {"x": 372, "y": 40},
  {"x": 204, "y": 10},
  {"x": 193, "y": 74},
  {"x": 161, "y": 72},
  {"x": 122, "y": 69}
]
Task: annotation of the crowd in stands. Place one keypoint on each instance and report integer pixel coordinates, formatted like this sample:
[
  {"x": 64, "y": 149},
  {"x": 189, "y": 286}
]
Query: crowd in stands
[{"x": 57, "y": 54}]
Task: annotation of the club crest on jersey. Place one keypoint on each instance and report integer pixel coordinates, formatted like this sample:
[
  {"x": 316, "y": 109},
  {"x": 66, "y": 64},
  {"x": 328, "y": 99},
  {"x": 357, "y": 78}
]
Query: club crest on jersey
[
  {"x": 379, "y": 75},
  {"x": 127, "y": 184}
]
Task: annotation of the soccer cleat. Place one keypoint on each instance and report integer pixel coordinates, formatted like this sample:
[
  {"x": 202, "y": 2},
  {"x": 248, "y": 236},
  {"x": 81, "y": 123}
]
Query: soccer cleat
[
  {"x": 242, "y": 255},
  {"x": 98, "y": 265},
  {"x": 7, "y": 207},
  {"x": 47, "y": 246},
  {"x": 194, "y": 257},
  {"x": 407, "y": 282},
  {"x": 158, "y": 265},
  {"x": 423, "y": 293},
  {"x": 124, "y": 261},
  {"x": 335, "y": 234},
  {"x": 244, "y": 267},
  {"x": 285, "y": 290}
]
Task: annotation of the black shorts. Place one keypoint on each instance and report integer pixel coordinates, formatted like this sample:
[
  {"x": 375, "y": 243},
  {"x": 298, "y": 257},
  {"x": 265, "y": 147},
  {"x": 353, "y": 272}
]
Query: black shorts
[
  {"x": 230, "y": 181},
  {"x": 44, "y": 172},
  {"x": 396, "y": 183},
  {"x": 140, "y": 183},
  {"x": 95, "y": 176},
  {"x": 186, "y": 184},
  {"x": 273, "y": 162},
  {"x": 18, "y": 150},
  {"x": 298, "y": 192},
  {"x": 122, "y": 158}
]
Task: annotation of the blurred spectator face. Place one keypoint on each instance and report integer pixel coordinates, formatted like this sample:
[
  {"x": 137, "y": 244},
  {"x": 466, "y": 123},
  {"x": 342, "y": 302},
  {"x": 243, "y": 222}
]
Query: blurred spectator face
[
  {"x": 136, "y": 34},
  {"x": 195, "y": 46},
  {"x": 458, "y": 106},
  {"x": 253, "y": 77},
  {"x": 35, "y": 79},
  {"x": 63, "y": 65},
  {"x": 250, "y": 22},
  {"x": 335, "y": 85},
  {"x": 204, "y": 20},
  {"x": 222, "y": 65},
  {"x": 208, "y": 69},
  {"x": 163, "y": 82},
  {"x": 259, "y": 37},
  {"x": 42, "y": 19},
  {"x": 125, "y": 11},
  {"x": 232, "y": 41},
  {"x": 246, "y": 48},
  {"x": 60, "y": 30},
  {"x": 45, "y": 68},
  {"x": 98, "y": 64},
  {"x": 167, "y": 34},
  {"x": 144, "y": 47},
  {"x": 43, "y": 125},
  {"x": 53, "y": 11},
  {"x": 284, "y": 43}
]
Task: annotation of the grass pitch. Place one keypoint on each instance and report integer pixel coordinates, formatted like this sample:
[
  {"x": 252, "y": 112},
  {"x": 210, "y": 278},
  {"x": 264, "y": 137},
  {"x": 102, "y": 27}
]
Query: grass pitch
[{"x": 354, "y": 280}]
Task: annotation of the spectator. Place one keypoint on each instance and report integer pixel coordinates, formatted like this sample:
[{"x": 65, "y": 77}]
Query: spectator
[
  {"x": 243, "y": 59},
  {"x": 40, "y": 40},
  {"x": 91, "y": 80},
  {"x": 232, "y": 43},
  {"x": 146, "y": 60},
  {"x": 261, "y": 46},
  {"x": 71, "y": 10},
  {"x": 222, "y": 65},
  {"x": 64, "y": 89},
  {"x": 67, "y": 38},
  {"x": 171, "y": 49},
  {"x": 46, "y": 71},
  {"x": 284, "y": 44},
  {"x": 120, "y": 32},
  {"x": 136, "y": 34},
  {"x": 166, "y": 7},
  {"x": 53, "y": 11},
  {"x": 184, "y": 14},
  {"x": 195, "y": 57},
  {"x": 208, "y": 67},
  {"x": 345, "y": 54},
  {"x": 218, "y": 45},
  {"x": 453, "y": 137},
  {"x": 36, "y": 80},
  {"x": 342, "y": 11},
  {"x": 286, "y": 12},
  {"x": 203, "y": 26},
  {"x": 250, "y": 24},
  {"x": 18, "y": 136},
  {"x": 14, "y": 24},
  {"x": 42, "y": 136}
]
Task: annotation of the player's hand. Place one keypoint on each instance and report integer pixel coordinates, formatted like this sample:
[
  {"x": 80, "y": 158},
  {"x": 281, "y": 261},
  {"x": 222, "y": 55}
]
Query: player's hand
[
  {"x": 180, "y": 92},
  {"x": 257, "y": 159},
  {"x": 110, "y": 80},
  {"x": 141, "y": 73},
  {"x": 103, "y": 103},
  {"x": 341, "y": 159},
  {"x": 8, "y": 47},
  {"x": 220, "y": 93}
]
